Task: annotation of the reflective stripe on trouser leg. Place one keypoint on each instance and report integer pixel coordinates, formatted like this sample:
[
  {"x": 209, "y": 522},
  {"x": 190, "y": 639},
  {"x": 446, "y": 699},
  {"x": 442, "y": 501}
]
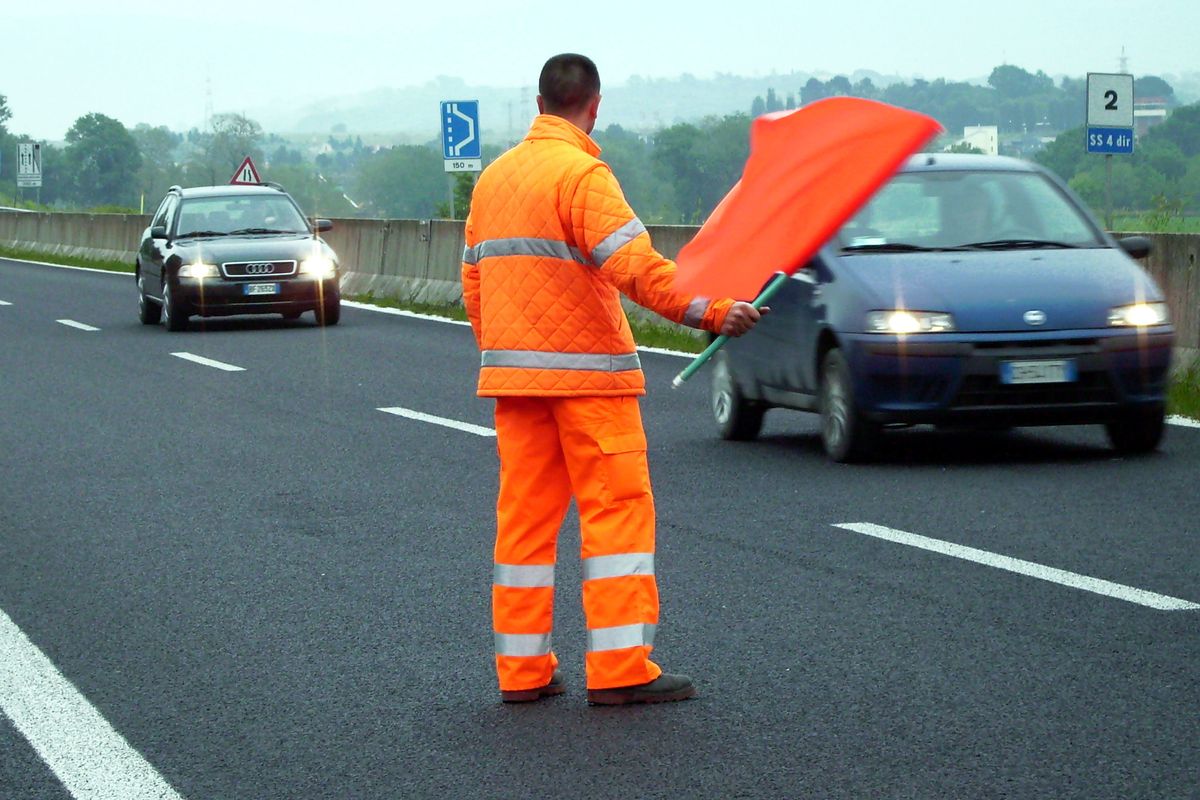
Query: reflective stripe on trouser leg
[
  {"x": 605, "y": 451},
  {"x": 534, "y": 494}
]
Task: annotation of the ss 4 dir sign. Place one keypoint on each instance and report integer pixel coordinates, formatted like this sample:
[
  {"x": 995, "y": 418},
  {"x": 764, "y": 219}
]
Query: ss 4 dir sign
[{"x": 1110, "y": 140}]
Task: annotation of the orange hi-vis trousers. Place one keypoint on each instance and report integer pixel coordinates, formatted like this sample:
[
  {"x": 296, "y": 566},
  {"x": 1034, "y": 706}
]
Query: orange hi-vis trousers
[{"x": 592, "y": 448}]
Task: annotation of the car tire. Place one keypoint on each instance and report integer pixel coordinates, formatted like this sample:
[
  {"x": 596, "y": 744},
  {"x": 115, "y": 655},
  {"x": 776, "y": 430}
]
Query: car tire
[
  {"x": 149, "y": 312},
  {"x": 329, "y": 312},
  {"x": 736, "y": 417},
  {"x": 1137, "y": 431},
  {"x": 174, "y": 313},
  {"x": 845, "y": 433}
]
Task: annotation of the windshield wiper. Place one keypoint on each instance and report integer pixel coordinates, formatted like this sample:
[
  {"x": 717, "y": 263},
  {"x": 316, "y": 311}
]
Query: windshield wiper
[
  {"x": 893, "y": 247},
  {"x": 1019, "y": 244},
  {"x": 259, "y": 230},
  {"x": 190, "y": 234}
]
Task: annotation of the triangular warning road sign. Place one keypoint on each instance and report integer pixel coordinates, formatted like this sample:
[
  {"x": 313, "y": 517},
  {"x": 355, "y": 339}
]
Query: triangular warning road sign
[{"x": 246, "y": 174}]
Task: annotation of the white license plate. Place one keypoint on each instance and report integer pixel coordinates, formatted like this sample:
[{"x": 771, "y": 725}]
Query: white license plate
[
  {"x": 1061, "y": 371},
  {"x": 262, "y": 288}
]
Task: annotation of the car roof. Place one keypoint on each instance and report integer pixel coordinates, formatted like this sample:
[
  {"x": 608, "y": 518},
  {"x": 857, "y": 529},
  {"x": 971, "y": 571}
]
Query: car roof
[
  {"x": 973, "y": 162},
  {"x": 229, "y": 190}
]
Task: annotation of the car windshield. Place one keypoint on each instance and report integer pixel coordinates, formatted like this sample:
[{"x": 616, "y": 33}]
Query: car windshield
[
  {"x": 217, "y": 216},
  {"x": 952, "y": 210}
]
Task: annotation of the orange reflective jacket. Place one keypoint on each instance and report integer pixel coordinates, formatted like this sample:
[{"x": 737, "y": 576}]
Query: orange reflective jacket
[{"x": 550, "y": 244}]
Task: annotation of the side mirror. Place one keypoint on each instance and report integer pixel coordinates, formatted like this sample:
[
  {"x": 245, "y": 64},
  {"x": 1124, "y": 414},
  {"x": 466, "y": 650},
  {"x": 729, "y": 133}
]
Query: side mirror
[
  {"x": 1136, "y": 246},
  {"x": 324, "y": 225},
  {"x": 158, "y": 232}
]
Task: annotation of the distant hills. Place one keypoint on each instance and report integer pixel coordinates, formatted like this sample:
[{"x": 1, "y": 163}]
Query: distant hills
[{"x": 642, "y": 104}]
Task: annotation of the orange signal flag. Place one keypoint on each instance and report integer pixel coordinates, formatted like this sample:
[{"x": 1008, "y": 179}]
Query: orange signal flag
[{"x": 809, "y": 171}]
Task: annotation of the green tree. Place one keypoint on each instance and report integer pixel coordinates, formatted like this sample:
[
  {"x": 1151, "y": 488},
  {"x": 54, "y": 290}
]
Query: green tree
[
  {"x": 406, "y": 181},
  {"x": 1013, "y": 82},
  {"x": 1153, "y": 86},
  {"x": 159, "y": 170},
  {"x": 773, "y": 103},
  {"x": 812, "y": 91},
  {"x": 100, "y": 162},
  {"x": 759, "y": 106},
  {"x": 219, "y": 152}
]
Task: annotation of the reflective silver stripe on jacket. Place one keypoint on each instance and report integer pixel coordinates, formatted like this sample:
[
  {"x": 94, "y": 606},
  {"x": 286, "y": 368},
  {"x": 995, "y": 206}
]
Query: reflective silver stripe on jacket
[
  {"x": 523, "y": 576},
  {"x": 522, "y": 644},
  {"x": 618, "y": 566},
  {"x": 695, "y": 312},
  {"x": 616, "y": 240},
  {"x": 620, "y": 636},
  {"x": 537, "y": 359},
  {"x": 524, "y": 246}
]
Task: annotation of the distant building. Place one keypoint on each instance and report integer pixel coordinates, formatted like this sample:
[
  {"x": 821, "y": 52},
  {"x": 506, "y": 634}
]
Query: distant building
[
  {"x": 985, "y": 138},
  {"x": 1148, "y": 112}
]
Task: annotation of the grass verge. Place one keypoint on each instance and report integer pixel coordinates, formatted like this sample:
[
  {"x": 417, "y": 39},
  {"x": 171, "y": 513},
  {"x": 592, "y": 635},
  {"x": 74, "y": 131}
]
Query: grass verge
[{"x": 1183, "y": 396}]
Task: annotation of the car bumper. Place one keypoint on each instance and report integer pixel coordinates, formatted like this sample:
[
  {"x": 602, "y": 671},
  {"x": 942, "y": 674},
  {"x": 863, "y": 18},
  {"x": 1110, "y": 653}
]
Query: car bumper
[
  {"x": 221, "y": 297},
  {"x": 942, "y": 378}
]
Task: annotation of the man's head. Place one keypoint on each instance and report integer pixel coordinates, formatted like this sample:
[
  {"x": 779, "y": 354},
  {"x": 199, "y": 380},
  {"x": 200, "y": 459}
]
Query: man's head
[{"x": 569, "y": 87}]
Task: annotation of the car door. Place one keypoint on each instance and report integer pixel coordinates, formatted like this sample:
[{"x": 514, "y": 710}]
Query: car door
[
  {"x": 156, "y": 251},
  {"x": 790, "y": 331}
]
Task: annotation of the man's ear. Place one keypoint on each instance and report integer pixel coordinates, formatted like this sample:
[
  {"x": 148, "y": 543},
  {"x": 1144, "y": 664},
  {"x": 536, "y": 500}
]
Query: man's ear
[
  {"x": 541, "y": 105},
  {"x": 593, "y": 111}
]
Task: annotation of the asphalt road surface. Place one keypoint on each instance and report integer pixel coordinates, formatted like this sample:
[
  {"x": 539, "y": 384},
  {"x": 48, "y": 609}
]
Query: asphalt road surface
[{"x": 254, "y": 583}]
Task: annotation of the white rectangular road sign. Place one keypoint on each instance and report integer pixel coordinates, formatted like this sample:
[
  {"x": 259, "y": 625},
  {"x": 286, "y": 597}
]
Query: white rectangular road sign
[
  {"x": 1109, "y": 100},
  {"x": 29, "y": 165}
]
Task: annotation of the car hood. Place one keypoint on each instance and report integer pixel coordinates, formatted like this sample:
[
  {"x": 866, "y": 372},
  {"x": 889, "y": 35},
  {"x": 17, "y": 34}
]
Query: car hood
[
  {"x": 218, "y": 249},
  {"x": 992, "y": 290}
]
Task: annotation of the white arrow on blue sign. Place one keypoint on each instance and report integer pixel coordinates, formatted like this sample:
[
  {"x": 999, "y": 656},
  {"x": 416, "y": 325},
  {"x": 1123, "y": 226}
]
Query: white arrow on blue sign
[{"x": 461, "y": 147}]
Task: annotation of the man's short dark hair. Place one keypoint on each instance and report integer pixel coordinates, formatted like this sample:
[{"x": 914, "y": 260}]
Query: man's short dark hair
[{"x": 568, "y": 82}]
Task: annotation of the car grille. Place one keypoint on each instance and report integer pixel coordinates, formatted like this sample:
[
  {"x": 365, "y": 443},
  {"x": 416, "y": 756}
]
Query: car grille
[
  {"x": 258, "y": 270},
  {"x": 978, "y": 391}
]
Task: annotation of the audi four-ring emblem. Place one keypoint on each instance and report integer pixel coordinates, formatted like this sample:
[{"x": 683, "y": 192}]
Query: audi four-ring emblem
[
  {"x": 260, "y": 269},
  {"x": 1035, "y": 317}
]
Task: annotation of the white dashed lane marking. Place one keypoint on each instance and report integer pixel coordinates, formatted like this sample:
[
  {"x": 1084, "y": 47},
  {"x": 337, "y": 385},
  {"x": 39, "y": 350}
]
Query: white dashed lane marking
[
  {"x": 208, "y": 362},
  {"x": 89, "y": 757},
  {"x": 5, "y": 303},
  {"x": 70, "y": 323},
  {"x": 478, "y": 430},
  {"x": 1129, "y": 594}
]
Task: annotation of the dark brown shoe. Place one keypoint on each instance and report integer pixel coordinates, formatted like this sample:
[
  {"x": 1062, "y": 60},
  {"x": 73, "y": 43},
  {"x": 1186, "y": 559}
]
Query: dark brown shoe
[
  {"x": 666, "y": 688},
  {"x": 556, "y": 686}
]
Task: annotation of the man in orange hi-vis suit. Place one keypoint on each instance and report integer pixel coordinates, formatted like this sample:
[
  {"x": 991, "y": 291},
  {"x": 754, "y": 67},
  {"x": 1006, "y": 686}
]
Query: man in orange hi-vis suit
[{"x": 550, "y": 244}]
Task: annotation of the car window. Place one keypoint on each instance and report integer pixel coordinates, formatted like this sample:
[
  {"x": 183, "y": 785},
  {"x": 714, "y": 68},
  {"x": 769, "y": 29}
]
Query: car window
[
  {"x": 945, "y": 209},
  {"x": 229, "y": 214},
  {"x": 169, "y": 209},
  {"x": 160, "y": 216}
]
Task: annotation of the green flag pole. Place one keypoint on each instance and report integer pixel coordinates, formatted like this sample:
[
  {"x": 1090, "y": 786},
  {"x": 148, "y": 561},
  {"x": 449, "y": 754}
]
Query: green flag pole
[{"x": 766, "y": 294}]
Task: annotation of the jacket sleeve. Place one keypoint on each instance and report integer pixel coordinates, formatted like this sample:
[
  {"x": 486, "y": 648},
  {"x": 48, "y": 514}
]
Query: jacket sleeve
[
  {"x": 616, "y": 241},
  {"x": 470, "y": 283}
]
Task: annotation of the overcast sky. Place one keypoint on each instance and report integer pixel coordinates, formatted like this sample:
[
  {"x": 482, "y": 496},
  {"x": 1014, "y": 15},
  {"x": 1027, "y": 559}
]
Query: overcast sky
[{"x": 153, "y": 62}]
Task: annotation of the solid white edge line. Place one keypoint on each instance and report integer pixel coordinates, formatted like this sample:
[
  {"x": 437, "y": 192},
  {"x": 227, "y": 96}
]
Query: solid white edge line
[
  {"x": 1074, "y": 580},
  {"x": 128, "y": 274},
  {"x": 89, "y": 757},
  {"x": 70, "y": 323},
  {"x": 208, "y": 362},
  {"x": 478, "y": 430}
]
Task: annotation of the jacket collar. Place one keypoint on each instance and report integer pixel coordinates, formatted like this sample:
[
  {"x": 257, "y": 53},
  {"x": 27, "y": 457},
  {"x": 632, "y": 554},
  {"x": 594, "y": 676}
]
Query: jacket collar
[{"x": 548, "y": 126}]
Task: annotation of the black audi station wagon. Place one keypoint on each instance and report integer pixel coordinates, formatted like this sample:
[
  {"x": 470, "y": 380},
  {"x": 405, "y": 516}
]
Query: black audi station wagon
[{"x": 222, "y": 250}]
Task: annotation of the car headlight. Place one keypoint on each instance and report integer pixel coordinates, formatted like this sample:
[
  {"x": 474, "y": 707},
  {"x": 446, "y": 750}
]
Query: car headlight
[
  {"x": 1139, "y": 315},
  {"x": 902, "y": 321},
  {"x": 199, "y": 270},
  {"x": 318, "y": 266}
]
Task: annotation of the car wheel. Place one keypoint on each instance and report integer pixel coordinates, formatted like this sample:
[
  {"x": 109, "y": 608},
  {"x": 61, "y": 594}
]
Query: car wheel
[
  {"x": 846, "y": 435},
  {"x": 149, "y": 312},
  {"x": 736, "y": 417},
  {"x": 330, "y": 311},
  {"x": 174, "y": 315},
  {"x": 1137, "y": 430}
]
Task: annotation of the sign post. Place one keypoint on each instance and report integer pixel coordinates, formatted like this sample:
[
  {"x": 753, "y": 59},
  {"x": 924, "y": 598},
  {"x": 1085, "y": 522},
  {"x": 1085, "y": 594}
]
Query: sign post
[
  {"x": 1109, "y": 123},
  {"x": 461, "y": 147}
]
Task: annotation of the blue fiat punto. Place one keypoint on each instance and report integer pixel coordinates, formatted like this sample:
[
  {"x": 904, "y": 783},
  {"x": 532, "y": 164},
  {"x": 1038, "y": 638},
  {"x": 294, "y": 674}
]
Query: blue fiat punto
[{"x": 972, "y": 291}]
